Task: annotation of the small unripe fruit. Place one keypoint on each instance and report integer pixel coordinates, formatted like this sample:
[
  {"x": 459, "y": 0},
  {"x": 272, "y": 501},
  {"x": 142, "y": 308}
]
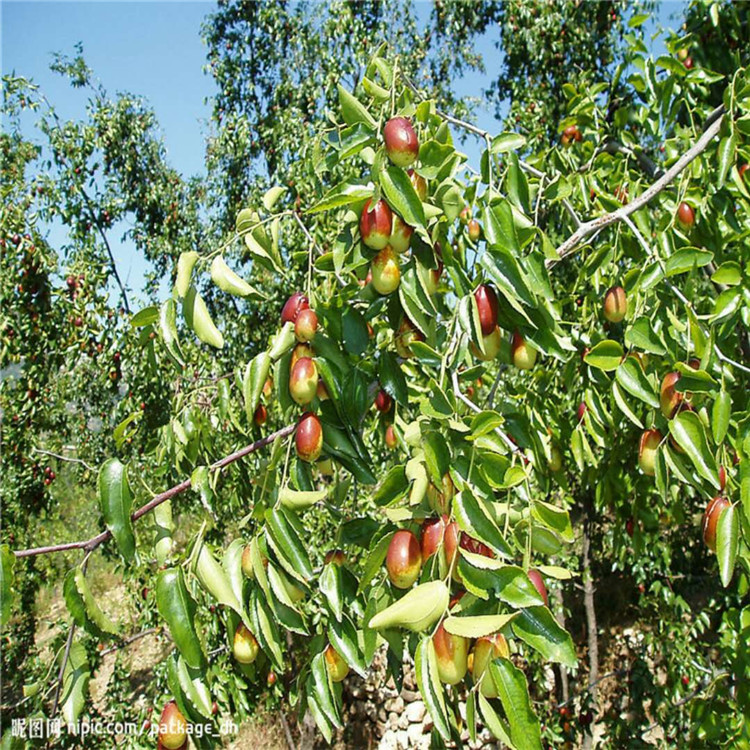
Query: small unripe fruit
[
  {"x": 682, "y": 54},
  {"x": 555, "y": 459},
  {"x": 487, "y": 306},
  {"x": 523, "y": 353},
  {"x": 536, "y": 578},
  {"x": 403, "y": 560},
  {"x": 440, "y": 500},
  {"x": 630, "y": 527},
  {"x": 582, "y": 410},
  {"x": 493, "y": 342},
  {"x": 244, "y": 647},
  {"x": 722, "y": 478},
  {"x": 335, "y": 557},
  {"x": 172, "y": 727},
  {"x": 408, "y": 333},
  {"x": 419, "y": 184},
  {"x": 386, "y": 274},
  {"x": 688, "y": 63},
  {"x": 375, "y": 224},
  {"x": 391, "y": 440},
  {"x": 465, "y": 215},
  {"x": 383, "y": 401},
  {"x": 670, "y": 399},
  {"x": 649, "y": 444},
  {"x": 293, "y": 306},
  {"x": 615, "y": 304},
  {"x": 309, "y": 438},
  {"x": 306, "y": 325},
  {"x": 401, "y": 143},
  {"x": 686, "y": 215},
  {"x": 474, "y": 230},
  {"x": 338, "y": 669},
  {"x": 322, "y": 391},
  {"x": 247, "y": 562},
  {"x": 271, "y": 679},
  {"x": 401, "y": 233},
  {"x": 714, "y": 509},
  {"x": 267, "y": 387},
  {"x": 486, "y": 649},
  {"x": 452, "y": 653},
  {"x": 303, "y": 381},
  {"x": 260, "y": 415}
]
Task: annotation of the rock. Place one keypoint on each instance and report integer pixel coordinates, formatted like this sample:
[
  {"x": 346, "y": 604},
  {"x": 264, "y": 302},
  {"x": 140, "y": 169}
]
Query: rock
[
  {"x": 403, "y": 740},
  {"x": 388, "y": 742},
  {"x": 415, "y": 735},
  {"x": 415, "y": 712},
  {"x": 382, "y": 715},
  {"x": 395, "y": 704},
  {"x": 393, "y": 720},
  {"x": 403, "y": 722},
  {"x": 410, "y": 695}
]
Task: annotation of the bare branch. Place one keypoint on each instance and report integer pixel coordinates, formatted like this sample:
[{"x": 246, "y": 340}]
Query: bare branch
[
  {"x": 572, "y": 243},
  {"x": 95, "y": 541},
  {"x": 63, "y": 458}
]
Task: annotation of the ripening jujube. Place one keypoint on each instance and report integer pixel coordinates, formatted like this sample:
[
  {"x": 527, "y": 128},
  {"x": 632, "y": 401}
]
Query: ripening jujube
[
  {"x": 375, "y": 224},
  {"x": 487, "y": 307},
  {"x": 303, "y": 381},
  {"x": 452, "y": 653},
  {"x": 536, "y": 578},
  {"x": 386, "y": 274},
  {"x": 172, "y": 727},
  {"x": 309, "y": 437},
  {"x": 486, "y": 649},
  {"x": 523, "y": 353},
  {"x": 293, "y": 306},
  {"x": 401, "y": 142},
  {"x": 647, "y": 447},
  {"x": 615, "y": 304},
  {"x": 711, "y": 516},
  {"x": 403, "y": 560}
]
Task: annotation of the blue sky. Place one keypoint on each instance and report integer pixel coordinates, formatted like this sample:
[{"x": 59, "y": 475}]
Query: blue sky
[{"x": 152, "y": 49}]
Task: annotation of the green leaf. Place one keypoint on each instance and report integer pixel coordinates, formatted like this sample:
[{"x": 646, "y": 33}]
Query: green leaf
[
  {"x": 507, "y": 141},
  {"x": 493, "y": 722},
  {"x": 478, "y": 625},
  {"x": 537, "y": 627},
  {"x": 507, "y": 275},
  {"x": 513, "y": 692},
  {"x": 437, "y": 456},
  {"x": 145, "y": 317},
  {"x": 729, "y": 273},
  {"x": 83, "y": 607},
  {"x": 687, "y": 258},
  {"x": 215, "y": 580},
  {"x": 393, "y": 487},
  {"x": 7, "y": 582},
  {"x": 687, "y": 430},
  {"x": 115, "y": 503},
  {"x": 624, "y": 406},
  {"x": 256, "y": 374},
  {"x": 474, "y": 519},
  {"x": 343, "y": 194},
  {"x": 74, "y": 683},
  {"x": 430, "y": 688},
  {"x": 696, "y": 381},
  {"x": 392, "y": 379},
  {"x": 509, "y": 582},
  {"x": 727, "y": 540},
  {"x": 354, "y": 327},
  {"x": 178, "y": 609},
  {"x": 401, "y": 196},
  {"x": 352, "y": 110},
  {"x": 330, "y": 587},
  {"x": 271, "y": 196},
  {"x": 720, "y": 414},
  {"x": 642, "y": 336},
  {"x": 606, "y": 355},
  {"x": 554, "y": 518},
  {"x": 200, "y": 483},
  {"x": 631, "y": 377},
  {"x": 727, "y": 303},
  {"x": 168, "y": 330},
  {"x": 185, "y": 264},
  {"x": 230, "y": 282},
  {"x": 468, "y": 316},
  {"x": 432, "y": 157},
  {"x": 343, "y": 637},
  {"x": 726, "y": 152},
  {"x": 199, "y": 320},
  {"x": 291, "y": 550}
]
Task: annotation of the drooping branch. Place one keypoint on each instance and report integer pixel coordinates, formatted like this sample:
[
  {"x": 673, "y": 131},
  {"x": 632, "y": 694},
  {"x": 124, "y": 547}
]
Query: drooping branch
[
  {"x": 95, "y": 541},
  {"x": 588, "y": 228}
]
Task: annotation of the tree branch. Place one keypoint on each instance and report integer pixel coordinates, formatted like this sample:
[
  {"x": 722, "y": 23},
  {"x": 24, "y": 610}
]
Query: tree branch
[
  {"x": 95, "y": 541},
  {"x": 571, "y": 244}
]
